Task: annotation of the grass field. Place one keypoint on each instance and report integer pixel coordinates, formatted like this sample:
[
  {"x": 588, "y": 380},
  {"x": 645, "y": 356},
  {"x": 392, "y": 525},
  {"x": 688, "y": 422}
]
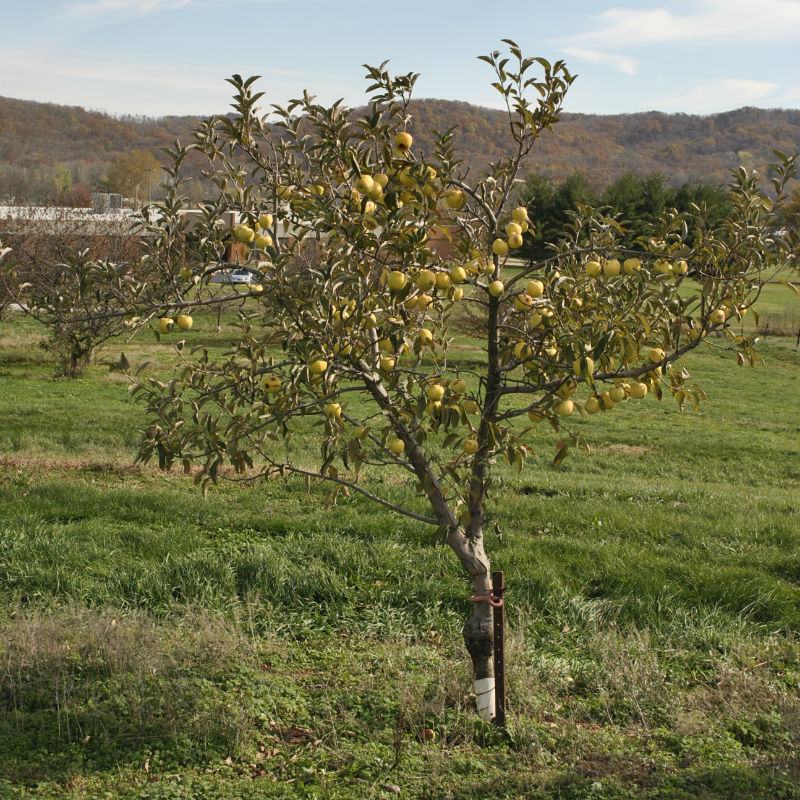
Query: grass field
[{"x": 154, "y": 644}]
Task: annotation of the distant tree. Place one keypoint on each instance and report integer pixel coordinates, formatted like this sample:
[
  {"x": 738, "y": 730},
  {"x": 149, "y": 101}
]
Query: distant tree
[
  {"x": 709, "y": 204},
  {"x": 62, "y": 180},
  {"x": 789, "y": 218},
  {"x": 635, "y": 202},
  {"x": 73, "y": 273},
  {"x": 549, "y": 207},
  {"x": 133, "y": 173}
]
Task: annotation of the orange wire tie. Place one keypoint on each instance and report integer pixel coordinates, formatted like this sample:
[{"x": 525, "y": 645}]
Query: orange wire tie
[{"x": 492, "y": 599}]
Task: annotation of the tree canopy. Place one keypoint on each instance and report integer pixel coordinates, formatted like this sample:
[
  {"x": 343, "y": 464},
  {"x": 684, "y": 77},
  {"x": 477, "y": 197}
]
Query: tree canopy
[{"x": 367, "y": 251}]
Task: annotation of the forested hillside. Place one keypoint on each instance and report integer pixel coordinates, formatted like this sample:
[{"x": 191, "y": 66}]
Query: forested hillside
[{"x": 49, "y": 151}]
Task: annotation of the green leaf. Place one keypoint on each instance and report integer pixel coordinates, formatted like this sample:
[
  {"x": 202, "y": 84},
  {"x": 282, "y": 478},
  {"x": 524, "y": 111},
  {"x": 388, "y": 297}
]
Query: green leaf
[{"x": 561, "y": 454}]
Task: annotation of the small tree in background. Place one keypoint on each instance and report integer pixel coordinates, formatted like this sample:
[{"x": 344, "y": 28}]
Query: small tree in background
[
  {"x": 73, "y": 272},
  {"x": 350, "y": 325},
  {"x": 134, "y": 174}
]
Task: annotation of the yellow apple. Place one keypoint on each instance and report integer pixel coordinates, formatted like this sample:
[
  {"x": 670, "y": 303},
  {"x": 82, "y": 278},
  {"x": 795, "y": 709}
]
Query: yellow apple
[
  {"x": 244, "y": 234},
  {"x": 426, "y": 279},
  {"x": 455, "y": 199},
  {"x": 617, "y": 394},
  {"x": 471, "y": 407},
  {"x": 459, "y": 386},
  {"x": 564, "y": 408},
  {"x": 364, "y": 183},
  {"x": 470, "y": 445},
  {"x": 165, "y": 325},
  {"x": 184, "y": 322},
  {"x": 638, "y": 390},
  {"x": 592, "y": 405},
  {"x": 397, "y": 446},
  {"x": 681, "y": 267},
  {"x": 717, "y": 317},
  {"x": 631, "y": 265},
  {"x": 500, "y": 247},
  {"x": 515, "y": 240},
  {"x": 520, "y": 214},
  {"x": 611, "y": 268},
  {"x": 523, "y": 302},
  {"x": 317, "y": 367},
  {"x": 425, "y": 336},
  {"x": 403, "y": 140},
  {"x": 262, "y": 241},
  {"x": 272, "y": 384},
  {"x": 578, "y": 369},
  {"x": 333, "y": 410},
  {"x": 387, "y": 363},
  {"x": 456, "y": 293},
  {"x": 265, "y": 221},
  {"x": 434, "y": 391},
  {"x": 593, "y": 268},
  {"x": 397, "y": 280},
  {"x": 496, "y": 288},
  {"x": 513, "y": 228},
  {"x": 522, "y": 351},
  {"x": 458, "y": 274},
  {"x": 655, "y": 354},
  {"x": 535, "y": 288},
  {"x": 606, "y": 403},
  {"x": 663, "y": 267},
  {"x": 442, "y": 280}
]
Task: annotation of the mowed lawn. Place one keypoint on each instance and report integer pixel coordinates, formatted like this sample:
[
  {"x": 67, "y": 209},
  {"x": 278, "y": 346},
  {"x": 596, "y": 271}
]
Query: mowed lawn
[{"x": 154, "y": 644}]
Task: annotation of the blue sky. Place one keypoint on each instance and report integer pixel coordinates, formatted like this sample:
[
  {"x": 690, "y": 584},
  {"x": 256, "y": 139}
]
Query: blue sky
[{"x": 156, "y": 57}]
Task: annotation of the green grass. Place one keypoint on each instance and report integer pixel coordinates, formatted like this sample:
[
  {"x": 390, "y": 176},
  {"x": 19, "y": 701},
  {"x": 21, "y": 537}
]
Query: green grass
[{"x": 257, "y": 644}]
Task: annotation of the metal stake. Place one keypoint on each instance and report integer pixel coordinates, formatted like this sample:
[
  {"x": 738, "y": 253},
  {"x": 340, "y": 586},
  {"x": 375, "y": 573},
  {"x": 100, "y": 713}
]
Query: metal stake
[{"x": 499, "y": 619}]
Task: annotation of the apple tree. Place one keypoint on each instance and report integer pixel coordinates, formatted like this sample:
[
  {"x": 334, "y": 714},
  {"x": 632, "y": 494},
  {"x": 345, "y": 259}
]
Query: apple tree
[
  {"x": 71, "y": 271},
  {"x": 370, "y": 252}
]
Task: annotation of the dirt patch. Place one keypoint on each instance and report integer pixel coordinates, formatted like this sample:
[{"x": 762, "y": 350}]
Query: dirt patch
[
  {"x": 626, "y": 449},
  {"x": 83, "y": 464}
]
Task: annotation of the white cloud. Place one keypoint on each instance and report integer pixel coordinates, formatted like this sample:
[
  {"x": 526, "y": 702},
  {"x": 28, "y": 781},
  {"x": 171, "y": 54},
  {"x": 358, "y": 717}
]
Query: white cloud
[
  {"x": 623, "y": 64},
  {"x": 709, "y": 20},
  {"x": 125, "y": 86},
  {"x": 788, "y": 98},
  {"x": 128, "y": 7},
  {"x": 718, "y": 95}
]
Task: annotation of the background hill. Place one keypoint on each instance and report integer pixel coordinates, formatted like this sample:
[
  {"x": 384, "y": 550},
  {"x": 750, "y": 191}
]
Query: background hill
[{"x": 48, "y": 150}]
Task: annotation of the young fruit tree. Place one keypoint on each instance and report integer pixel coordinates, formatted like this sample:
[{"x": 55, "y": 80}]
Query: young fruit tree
[
  {"x": 369, "y": 252},
  {"x": 71, "y": 271}
]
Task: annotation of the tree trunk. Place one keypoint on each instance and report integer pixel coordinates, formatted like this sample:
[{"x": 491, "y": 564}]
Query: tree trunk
[{"x": 479, "y": 630}]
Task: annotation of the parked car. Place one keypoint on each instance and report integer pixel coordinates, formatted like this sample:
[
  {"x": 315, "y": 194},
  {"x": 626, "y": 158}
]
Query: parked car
[{"x": 232, "y": 273}]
